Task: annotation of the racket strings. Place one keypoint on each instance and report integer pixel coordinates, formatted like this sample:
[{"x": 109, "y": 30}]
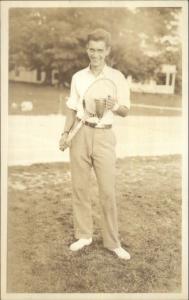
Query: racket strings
[
  {"x": 89, "y": 114},
  {"x": 101, "y": 89}
]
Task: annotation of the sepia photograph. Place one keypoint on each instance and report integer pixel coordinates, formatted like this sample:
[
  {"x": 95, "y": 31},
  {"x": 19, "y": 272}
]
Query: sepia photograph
[{"x": 94, "y": 150}]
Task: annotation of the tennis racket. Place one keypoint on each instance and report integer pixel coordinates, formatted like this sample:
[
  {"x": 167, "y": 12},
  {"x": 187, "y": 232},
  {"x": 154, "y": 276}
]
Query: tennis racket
[{"x": 94, "y": 103}]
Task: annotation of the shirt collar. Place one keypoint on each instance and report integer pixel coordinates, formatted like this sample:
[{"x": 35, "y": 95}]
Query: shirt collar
[{"x": 103, "y": 72}]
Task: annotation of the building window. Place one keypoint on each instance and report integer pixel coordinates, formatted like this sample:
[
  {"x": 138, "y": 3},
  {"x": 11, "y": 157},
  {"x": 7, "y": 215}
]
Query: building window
[
  {"x": 161, "y": 79},
  {"x": 56, "y": 76},
  {"x": 170, "y": 79},
  {"x": 17, "y": 72}
]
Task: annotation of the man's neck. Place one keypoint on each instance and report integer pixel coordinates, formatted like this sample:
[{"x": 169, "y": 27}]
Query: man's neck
[{"x": 97, "y": 70}]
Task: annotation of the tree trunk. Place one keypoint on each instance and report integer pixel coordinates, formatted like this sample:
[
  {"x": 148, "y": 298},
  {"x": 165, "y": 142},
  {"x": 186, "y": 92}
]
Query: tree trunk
[{"x": 48, "y": 76}]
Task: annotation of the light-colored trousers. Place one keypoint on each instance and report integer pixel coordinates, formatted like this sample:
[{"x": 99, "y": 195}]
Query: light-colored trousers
[{"x": 92, "y": 147}]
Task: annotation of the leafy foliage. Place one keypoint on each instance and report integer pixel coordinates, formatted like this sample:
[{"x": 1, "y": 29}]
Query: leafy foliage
[{"x": 55, "y": 38}]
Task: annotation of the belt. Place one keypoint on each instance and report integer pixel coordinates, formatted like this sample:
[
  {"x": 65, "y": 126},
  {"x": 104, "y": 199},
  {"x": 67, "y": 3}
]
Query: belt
[{"x": 96, "y": 125}]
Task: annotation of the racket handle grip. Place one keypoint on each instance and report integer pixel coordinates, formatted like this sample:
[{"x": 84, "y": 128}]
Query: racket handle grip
[
  {"x": 74, "y": 131},
  {"x": 71, "y": 135}
]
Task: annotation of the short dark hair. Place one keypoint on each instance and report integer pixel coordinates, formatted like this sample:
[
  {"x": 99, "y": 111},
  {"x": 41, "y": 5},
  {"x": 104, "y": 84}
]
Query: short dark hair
[{"x": 100, "y": 35}]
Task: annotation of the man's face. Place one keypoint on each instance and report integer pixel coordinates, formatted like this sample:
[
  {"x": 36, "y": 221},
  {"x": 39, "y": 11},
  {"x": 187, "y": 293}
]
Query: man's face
[{"x": 97, "y": 52}]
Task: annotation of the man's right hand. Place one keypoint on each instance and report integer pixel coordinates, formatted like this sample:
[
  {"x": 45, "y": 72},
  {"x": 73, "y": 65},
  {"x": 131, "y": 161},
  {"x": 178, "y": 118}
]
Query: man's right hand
[{"x": 63, "y": 141}]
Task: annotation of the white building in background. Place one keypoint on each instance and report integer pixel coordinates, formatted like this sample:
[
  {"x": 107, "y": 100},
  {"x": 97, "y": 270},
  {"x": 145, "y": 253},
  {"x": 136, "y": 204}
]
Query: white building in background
[
  {"x": 22, "y": 74},
  {"x": 165, "y": 84}
]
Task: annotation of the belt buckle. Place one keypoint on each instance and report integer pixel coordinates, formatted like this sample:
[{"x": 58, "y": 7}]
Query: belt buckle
[{"x": 100, "y": 126}]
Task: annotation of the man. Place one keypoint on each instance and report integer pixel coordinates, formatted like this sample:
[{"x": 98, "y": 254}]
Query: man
[{"x": 95, "y": 147}]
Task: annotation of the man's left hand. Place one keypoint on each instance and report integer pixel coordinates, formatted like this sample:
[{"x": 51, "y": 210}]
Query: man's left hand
[{"x": 110, "y": 102}]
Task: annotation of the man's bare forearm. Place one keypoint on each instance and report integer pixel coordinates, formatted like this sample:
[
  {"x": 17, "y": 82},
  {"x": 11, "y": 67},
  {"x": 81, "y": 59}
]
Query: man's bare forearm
[{"x": 70, "y": 119}]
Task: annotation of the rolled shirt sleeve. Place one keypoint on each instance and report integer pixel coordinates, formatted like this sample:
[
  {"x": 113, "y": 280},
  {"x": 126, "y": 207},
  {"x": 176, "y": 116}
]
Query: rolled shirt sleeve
[
  {"x": 73, "y": 98},
  {"x": 123, "y": 92}
]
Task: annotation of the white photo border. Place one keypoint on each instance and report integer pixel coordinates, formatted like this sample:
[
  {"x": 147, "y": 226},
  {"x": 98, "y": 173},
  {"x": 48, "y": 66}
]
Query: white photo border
[{"x": 5, "y": 6}]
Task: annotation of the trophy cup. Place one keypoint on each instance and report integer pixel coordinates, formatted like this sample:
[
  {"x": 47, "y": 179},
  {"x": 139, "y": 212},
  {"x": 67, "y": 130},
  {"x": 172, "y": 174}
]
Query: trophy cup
[{"x": 100, "y": 107}]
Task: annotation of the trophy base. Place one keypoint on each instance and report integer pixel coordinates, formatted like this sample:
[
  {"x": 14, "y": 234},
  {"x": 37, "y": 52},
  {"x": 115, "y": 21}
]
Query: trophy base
[{"x": 99, "y": 125}]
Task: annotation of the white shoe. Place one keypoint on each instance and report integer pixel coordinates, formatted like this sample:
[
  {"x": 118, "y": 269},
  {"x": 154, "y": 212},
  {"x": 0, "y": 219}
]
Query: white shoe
[
  {"x": 80, "y": 244},
  {"x": 122, "y": 253}
]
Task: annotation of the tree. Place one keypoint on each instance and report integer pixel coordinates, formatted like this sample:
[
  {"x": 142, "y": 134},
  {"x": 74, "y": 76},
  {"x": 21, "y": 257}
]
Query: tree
[{"x": 54, "y": 38}]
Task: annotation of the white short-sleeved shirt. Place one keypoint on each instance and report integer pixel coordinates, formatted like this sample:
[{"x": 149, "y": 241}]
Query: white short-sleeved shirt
[{"x": 82, "y": 79}]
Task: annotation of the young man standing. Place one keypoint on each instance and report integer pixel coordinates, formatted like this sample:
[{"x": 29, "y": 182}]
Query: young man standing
[{"x": 95, "y": 147}]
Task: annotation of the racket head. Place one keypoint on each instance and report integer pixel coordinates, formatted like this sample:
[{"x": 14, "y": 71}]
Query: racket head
[{"x": 102, "y": 88}]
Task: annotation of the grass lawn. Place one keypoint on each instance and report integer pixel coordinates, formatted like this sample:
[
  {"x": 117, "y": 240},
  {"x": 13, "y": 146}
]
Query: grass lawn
[
  {"x": 157, "y": 99},
  {"x": 40, "y": 230},
  {"x": 46, "y": 100}
]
